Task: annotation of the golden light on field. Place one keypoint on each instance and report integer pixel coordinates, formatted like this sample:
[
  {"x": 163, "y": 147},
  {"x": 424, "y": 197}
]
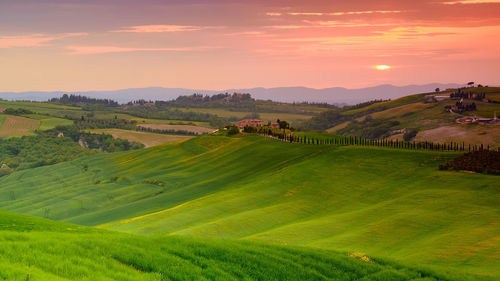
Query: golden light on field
[{"x": 382, "y": 67}]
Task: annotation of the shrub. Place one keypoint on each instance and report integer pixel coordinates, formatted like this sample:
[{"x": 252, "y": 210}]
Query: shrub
[
  {"x": 410, "y": 134},
  {"x": 233, "y": 130}
]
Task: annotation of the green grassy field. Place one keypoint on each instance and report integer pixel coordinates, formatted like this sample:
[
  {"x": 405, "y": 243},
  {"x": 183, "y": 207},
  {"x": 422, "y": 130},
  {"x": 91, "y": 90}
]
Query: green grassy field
[
  {"x": 390, "y": 204},
  {"x": 60, "y": 251}
]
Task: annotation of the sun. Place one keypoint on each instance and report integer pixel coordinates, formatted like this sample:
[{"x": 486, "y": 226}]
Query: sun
[{"x": 382, "y": 67}]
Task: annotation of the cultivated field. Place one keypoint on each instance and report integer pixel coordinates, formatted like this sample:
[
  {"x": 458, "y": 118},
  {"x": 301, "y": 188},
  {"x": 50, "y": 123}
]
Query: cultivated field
[
  {"x": 187, "y": 128},
  {"x": 387, "y": 203},
  {"x": 146, "y": 138},
  {"x": 17, "y": 126}
]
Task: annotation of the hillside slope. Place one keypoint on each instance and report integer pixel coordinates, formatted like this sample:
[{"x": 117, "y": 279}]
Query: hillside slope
[
  {"x": 386, "y": 203},
  {"x": 429, "y": 119},
  {"x": 61, "y": 251}
]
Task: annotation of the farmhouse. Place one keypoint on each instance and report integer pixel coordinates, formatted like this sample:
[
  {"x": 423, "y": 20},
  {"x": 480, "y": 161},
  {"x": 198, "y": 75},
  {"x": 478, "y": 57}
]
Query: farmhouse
[
  {"x": 431, "y": 98},
  {"x": 476, "y": 120},
  {"x": 250, "y": 123}
]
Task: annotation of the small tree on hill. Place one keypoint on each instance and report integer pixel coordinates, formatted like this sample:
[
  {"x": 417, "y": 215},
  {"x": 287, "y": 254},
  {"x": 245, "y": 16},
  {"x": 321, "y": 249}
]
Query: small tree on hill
[{"x": 233, "y": 131}]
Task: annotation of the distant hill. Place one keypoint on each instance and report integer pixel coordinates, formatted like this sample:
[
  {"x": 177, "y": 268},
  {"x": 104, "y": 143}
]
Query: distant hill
[{"x": 335, "y": 95}]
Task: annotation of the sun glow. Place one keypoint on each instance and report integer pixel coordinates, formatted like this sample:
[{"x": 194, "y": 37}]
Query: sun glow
[{"x": 382, "y": 67}]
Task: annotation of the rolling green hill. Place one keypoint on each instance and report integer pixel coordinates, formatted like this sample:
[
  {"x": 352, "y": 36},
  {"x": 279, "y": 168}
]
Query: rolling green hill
[
  {"x": 392, "y": 204},
  {"x": 39, "y": 249}
]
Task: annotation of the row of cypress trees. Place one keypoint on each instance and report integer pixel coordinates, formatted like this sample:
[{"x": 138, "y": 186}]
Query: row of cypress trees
[{"x": 352, "y": 140}]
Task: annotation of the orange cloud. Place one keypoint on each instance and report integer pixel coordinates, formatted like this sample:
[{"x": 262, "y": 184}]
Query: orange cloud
[{"x": 472, "y": 2}]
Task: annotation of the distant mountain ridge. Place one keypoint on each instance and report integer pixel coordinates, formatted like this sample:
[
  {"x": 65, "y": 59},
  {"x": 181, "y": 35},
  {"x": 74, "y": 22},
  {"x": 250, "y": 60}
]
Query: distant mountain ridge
[{"x": 334, "y": 95}]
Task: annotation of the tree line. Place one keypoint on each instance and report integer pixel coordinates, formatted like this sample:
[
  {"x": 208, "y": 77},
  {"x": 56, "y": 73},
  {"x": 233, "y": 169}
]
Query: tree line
[
  {"x": 166, "y": 131},
  {"x": 358, "y": 141},
  {"x": 82, "y": 100},
  {"x": 467, "y": 95}
]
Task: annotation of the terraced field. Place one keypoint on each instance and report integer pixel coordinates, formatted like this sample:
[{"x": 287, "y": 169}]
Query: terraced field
[
  {"x": 389, "y": 204},
  {"x": 148, "y": 139}
]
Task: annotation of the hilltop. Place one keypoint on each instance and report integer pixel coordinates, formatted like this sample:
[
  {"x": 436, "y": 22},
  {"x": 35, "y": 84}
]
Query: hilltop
[{"x": 387, "y": 203}]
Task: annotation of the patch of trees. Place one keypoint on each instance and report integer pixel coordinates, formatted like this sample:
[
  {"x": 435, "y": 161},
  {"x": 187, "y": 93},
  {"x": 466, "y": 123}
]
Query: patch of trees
[
  {"x": 316, "y": 104},
  {"x": 176, "y": 114},
  {"x": 102, "y": 142},
  {"x": 334, "y": 117},
  {"x": 18, "y": 111},
  {"x": 35, "y": 151},
  {"x": 364, "y": 104},
  {"x": 324, "y": 120},
  {"x": 369, "y": 128},
  {"x": 283, "y": 124},
  {"x": 477, "y": 161},
  {"x": 82, "y": 100},
  {"x": 459, "y": 94},
  {"x": 233, "y": 130},
  {"x": 166, "y": 131},
  {"x": 461, "y": 107},
  {"x": 410, "y": 134},
  {"x": 198, "y": 100},
  {"x": 96, "y": 123}
]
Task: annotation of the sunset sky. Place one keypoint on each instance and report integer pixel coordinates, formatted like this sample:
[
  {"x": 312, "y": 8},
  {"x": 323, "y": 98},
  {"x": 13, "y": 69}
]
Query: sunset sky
[{"x": 220, "y": 44}]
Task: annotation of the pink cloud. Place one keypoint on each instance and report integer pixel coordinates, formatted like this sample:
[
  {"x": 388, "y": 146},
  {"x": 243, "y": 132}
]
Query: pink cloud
[
  {"x": 33, "y": 40},
  {"x": 94, "y": 50},
  {"x": 246, "y": 33},
  {"x": 343, "y": 13},
  {"x": 161, "y": 28}
]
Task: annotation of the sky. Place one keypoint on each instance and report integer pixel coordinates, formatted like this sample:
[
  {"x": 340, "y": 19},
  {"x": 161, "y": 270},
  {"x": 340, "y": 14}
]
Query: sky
[{"x": 54, "y": 45}]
